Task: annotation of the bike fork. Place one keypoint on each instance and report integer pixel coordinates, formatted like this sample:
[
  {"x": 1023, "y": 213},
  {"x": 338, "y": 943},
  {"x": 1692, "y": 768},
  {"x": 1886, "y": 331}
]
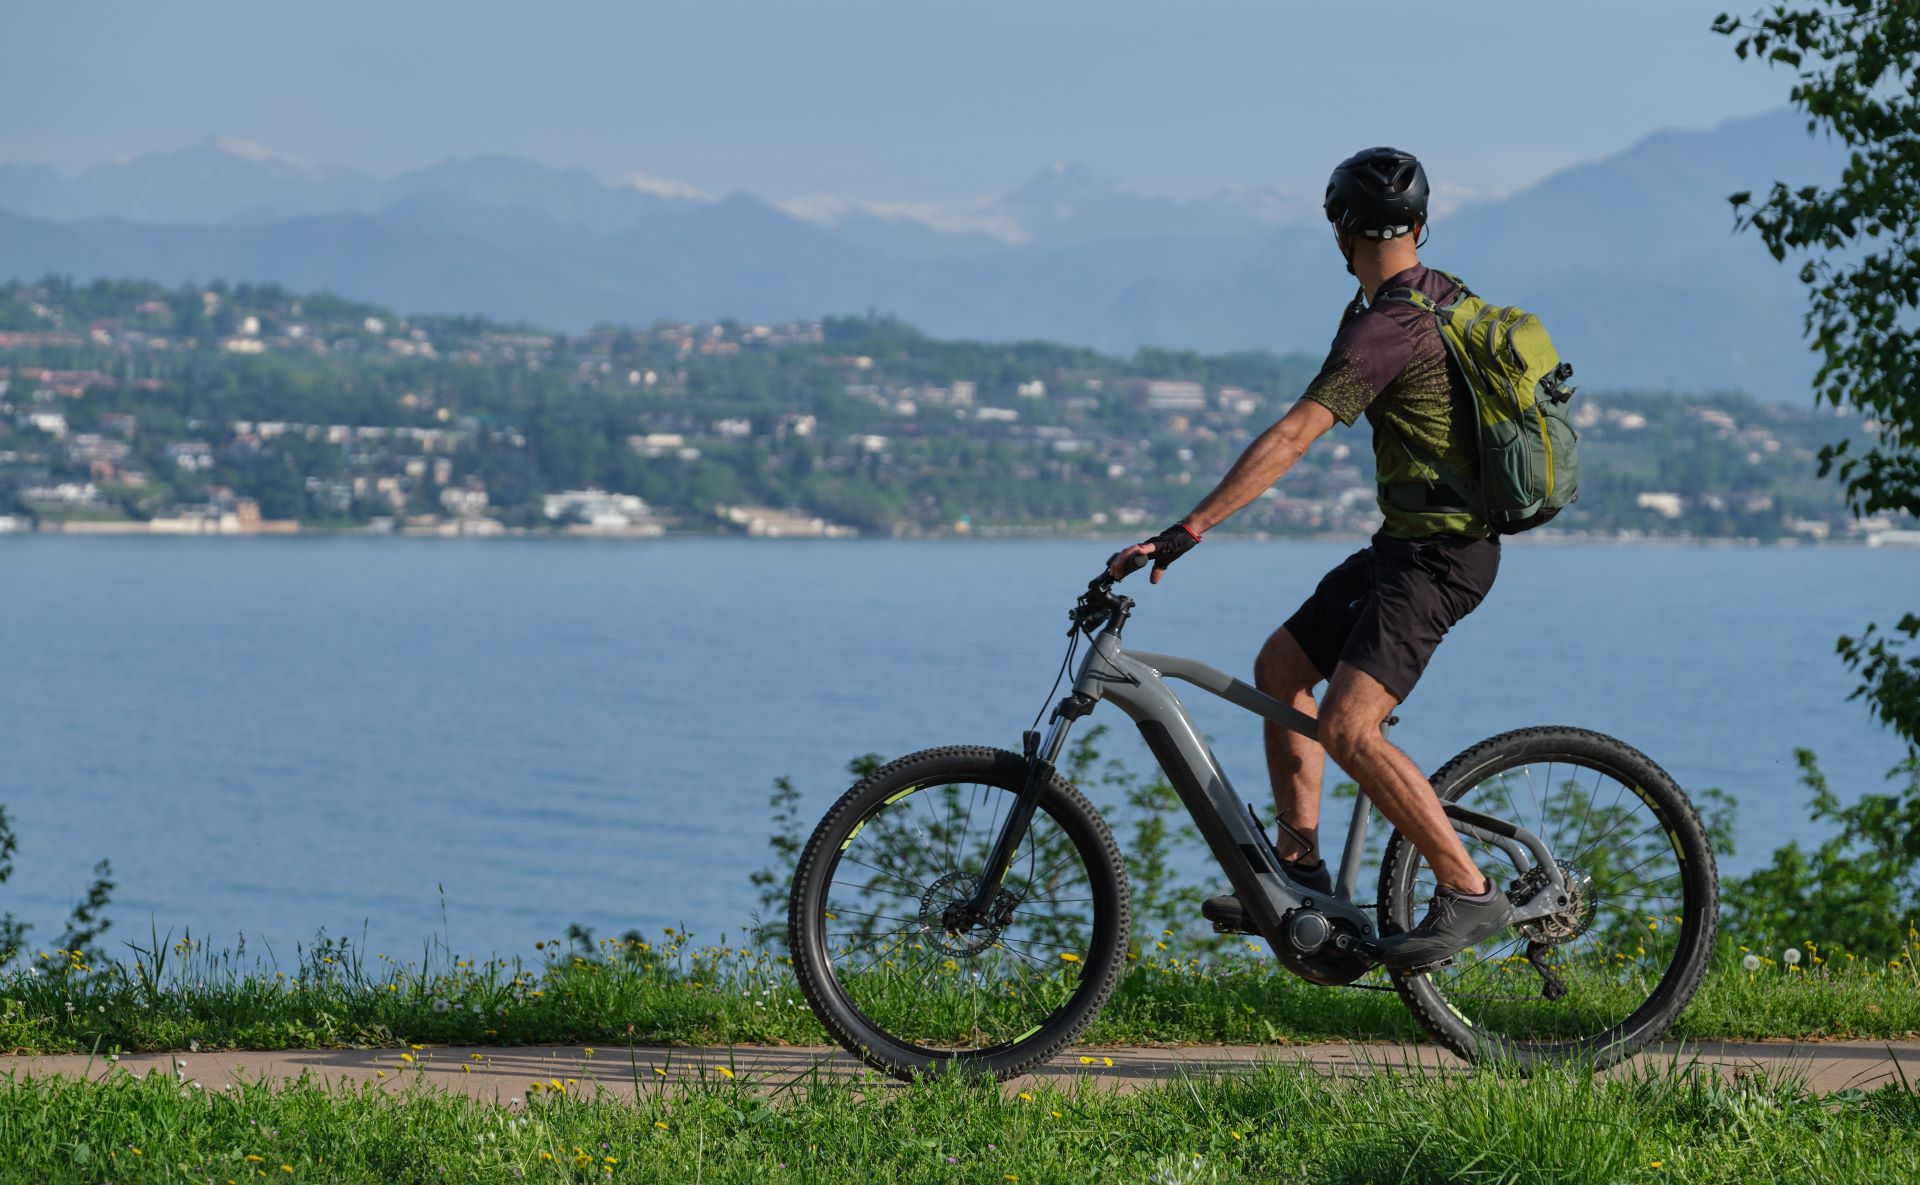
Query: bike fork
[{"x": 1040, "y": 758}]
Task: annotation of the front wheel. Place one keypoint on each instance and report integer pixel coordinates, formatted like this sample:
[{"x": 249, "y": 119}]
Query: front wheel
[
  {"x": 872, "y": 951},
  {"x": 1607, "y": 974}
]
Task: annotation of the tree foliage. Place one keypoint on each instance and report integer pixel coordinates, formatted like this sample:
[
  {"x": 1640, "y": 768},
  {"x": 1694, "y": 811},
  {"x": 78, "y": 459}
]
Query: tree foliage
[
  {"x": 1857, "y": 65},
  {"x": 1858, "y": 891}
]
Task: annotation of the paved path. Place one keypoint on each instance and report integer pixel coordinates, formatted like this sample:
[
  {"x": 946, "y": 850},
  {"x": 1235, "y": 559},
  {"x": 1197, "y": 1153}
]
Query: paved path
[{"x": 505, "y": 1073}]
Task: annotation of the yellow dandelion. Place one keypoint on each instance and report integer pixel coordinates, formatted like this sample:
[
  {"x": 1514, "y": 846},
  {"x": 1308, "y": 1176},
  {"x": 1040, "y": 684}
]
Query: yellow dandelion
[
  {"x": 379, "y": 1073},
  {"x": 406, "y": 1057},
  {"x": 416, "y": 1048},
  {"x": 1027, "y": 1095},
  {"x": 535, "y": 1087},
  {"x": 1056, "y": 1114},
  {"x": 252, "y": 1159},
  {"x": 660, "y": 1071},
  {"x": 589, "y": 1051},
  {"x": 1067, "y": 956},
  {"x": 661, "y": 1124},
  {"x": 1653, "y": 1164},
  {"x": 1086, "y": 1061},
  {"x": 1107, "y": 1060},
  {"x": 286, "y": 1168},
  {"x": 546, "y": 1156},
  {"x": 582, "y": 1161},
  {"x": 724, "y": 1072},
  {"x": 135, "y": 1151},
  {"x": 613, "y": 1160},
  {"x": 1236, "y": 1135}
]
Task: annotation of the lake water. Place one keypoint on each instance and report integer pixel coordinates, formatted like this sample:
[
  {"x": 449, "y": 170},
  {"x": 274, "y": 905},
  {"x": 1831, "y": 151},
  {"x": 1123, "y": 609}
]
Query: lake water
[{"x": 270, "y": 736}]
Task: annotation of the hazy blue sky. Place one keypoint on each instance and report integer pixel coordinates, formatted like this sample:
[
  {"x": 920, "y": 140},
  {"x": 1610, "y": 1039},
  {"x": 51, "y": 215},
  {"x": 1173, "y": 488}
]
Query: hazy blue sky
[{"x": 876, "y": 99}]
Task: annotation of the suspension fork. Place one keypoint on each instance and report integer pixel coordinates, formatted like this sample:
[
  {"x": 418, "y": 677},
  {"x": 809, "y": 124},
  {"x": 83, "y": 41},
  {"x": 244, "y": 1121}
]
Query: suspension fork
[{"x": 1040, "y": 755}]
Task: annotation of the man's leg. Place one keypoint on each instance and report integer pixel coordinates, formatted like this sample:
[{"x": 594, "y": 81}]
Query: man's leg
[
  {"x": 1356, "y": 705},
  {"x": 1294, "y": 763}
]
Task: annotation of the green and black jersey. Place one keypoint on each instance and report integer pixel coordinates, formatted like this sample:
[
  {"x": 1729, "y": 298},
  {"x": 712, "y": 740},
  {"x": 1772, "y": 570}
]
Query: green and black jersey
[{"x": 1388, "y": 363}]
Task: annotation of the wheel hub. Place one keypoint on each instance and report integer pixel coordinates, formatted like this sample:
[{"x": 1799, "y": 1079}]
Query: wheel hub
[
  {"x": 946, "y": 924},
  {"x": 1564, "y": 924}
]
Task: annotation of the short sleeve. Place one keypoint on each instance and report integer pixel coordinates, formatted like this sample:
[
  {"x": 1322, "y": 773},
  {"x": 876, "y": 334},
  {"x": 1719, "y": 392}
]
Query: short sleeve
[{"x": 1368, "y": 353}]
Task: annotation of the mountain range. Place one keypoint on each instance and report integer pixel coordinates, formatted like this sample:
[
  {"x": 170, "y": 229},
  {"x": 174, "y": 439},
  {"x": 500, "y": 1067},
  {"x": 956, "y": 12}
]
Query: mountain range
[{"x": 1631, "y": 260}]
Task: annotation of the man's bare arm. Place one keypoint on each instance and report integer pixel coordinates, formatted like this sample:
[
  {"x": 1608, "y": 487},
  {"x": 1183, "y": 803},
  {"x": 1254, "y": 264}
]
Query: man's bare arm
[{"x": 1271, "y": 454}]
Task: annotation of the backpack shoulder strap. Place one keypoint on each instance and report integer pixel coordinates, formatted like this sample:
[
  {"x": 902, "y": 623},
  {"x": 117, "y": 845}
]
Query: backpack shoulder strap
[{"x": 1412, "y": 296}]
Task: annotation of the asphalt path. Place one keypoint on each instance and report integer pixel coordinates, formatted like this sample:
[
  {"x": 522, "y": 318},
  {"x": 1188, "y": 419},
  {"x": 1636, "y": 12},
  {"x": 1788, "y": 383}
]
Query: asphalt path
[{"x": 507, "y": 1074}]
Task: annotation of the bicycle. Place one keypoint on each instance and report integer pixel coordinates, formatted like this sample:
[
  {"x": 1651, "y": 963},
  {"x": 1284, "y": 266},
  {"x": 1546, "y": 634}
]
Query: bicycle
[{"x": 926, "y": 946}]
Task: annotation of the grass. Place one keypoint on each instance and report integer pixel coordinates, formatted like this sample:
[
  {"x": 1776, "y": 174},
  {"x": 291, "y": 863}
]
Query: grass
[
  {"x": 182, "y": 994},
  {"x": 1277, "y": 1123}
]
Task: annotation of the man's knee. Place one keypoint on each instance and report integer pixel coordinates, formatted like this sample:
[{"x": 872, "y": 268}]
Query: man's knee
[
  {"x": 1282, "y": 669},
  {"x": 1345, "y": 734},
  {"x": 1356, "y": 704}
]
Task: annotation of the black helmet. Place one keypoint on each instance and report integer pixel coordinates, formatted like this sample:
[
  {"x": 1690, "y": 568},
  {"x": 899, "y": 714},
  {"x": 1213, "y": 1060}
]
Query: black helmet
[{"x": 1378, "y": 193}]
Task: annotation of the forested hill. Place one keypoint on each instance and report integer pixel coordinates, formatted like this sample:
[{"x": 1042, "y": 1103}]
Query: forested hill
[{"x": 126, "y": 406}]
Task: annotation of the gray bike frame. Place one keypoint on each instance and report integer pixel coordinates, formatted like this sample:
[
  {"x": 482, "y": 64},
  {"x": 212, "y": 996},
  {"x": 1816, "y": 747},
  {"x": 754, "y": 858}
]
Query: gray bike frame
[{"x": 1134, "y": 681}]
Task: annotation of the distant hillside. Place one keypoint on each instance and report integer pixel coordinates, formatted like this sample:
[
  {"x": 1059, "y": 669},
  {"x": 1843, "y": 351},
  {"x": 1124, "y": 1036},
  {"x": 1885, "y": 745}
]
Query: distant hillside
[
  {"x": 130, "y": 408},
  {"x": 1630, "y": 259}
]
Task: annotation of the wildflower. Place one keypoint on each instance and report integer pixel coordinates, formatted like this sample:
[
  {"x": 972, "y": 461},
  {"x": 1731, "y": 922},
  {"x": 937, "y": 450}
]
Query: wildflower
[
  {"x": 1236, "y": 1135},
  {"x": 546, "y": 1156},
  {"x": 441, "y": 1005},
  {"x": 287, "y": 1168},
  {"x": 582, "y": 1161},
  {"x": 406, "y": 1057},
  {"x": 1086, "y": 1061},
  {"x": 135, "y": 1151},
  {"x": 252, "y": 1159},
  {"x": 1751, "y": 962},
  {"x": 1067, "y": 956},
  {"x": 660, "y": 1071},
  {"x": 416, "y": 1048},
  {"x": 379, "y": 1073},
  {"x": 661, "y": 1124},
  {"x": 1107, "y": 1060},
  {"x": 613, "y": 1160},
  {"x": 1056, "y": 1114},
  {"x": 589, "y": 1051},
  {"x": 1027, "y": 1095},
  {"x": 1653, "y": 1164},
  {"x": 535, "y": 1087},
  {"x": 725, "y": 1073},
  {"x": 1790, "y": 956}
]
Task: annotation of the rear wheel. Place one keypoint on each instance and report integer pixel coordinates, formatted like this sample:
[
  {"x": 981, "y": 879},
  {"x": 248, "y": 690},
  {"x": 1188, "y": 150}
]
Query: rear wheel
[
  {"x": 1605, "y": 975},
  {"x": 873, "y": 952}
]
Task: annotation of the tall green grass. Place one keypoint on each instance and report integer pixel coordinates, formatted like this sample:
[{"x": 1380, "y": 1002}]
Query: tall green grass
[
  {"x": 1278, "y": 1123},
  {"x": 179, "y": 994}
]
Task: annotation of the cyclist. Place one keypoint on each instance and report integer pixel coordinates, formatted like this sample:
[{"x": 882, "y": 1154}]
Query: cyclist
[{"x": 1373, "y": 622}]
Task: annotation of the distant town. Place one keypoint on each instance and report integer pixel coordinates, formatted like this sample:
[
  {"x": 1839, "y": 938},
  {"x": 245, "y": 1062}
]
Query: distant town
[{"x": 126, "y": 408}]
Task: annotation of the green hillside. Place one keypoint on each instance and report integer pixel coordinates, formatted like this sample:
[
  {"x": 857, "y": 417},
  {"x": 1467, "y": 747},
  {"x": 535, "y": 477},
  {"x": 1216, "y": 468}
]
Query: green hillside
[{"x": 126, "y": 406}]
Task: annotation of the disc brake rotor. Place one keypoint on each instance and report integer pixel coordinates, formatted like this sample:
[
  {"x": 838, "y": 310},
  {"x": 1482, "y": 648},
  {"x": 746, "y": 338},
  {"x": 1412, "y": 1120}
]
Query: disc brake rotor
[
  {"x": 954, "y": 887},
  {"x": 1564, "y": 924}
]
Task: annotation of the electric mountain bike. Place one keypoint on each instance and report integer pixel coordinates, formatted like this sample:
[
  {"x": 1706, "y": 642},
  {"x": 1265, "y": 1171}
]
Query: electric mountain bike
[{"x": 965, "y": 909}]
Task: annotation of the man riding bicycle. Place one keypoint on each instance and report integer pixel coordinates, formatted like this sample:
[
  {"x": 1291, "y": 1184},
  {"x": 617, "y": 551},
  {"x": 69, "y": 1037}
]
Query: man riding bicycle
[{"x": 1370, "y": 627}]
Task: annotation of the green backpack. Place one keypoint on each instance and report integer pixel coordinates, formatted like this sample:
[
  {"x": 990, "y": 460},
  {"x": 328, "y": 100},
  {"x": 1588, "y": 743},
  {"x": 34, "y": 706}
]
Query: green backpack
[{"x": 1529, "y": 464}]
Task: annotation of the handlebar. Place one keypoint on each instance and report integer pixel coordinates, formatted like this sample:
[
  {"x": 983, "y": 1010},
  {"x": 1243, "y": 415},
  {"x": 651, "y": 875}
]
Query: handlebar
[{"x": 1100, "y": 605}]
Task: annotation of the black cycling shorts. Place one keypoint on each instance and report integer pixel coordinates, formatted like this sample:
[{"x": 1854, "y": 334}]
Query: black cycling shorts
[{"x": 1386, "y": 607}]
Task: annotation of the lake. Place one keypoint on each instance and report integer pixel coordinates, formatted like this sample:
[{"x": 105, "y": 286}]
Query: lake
[{"x": 270, "y": 736}]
